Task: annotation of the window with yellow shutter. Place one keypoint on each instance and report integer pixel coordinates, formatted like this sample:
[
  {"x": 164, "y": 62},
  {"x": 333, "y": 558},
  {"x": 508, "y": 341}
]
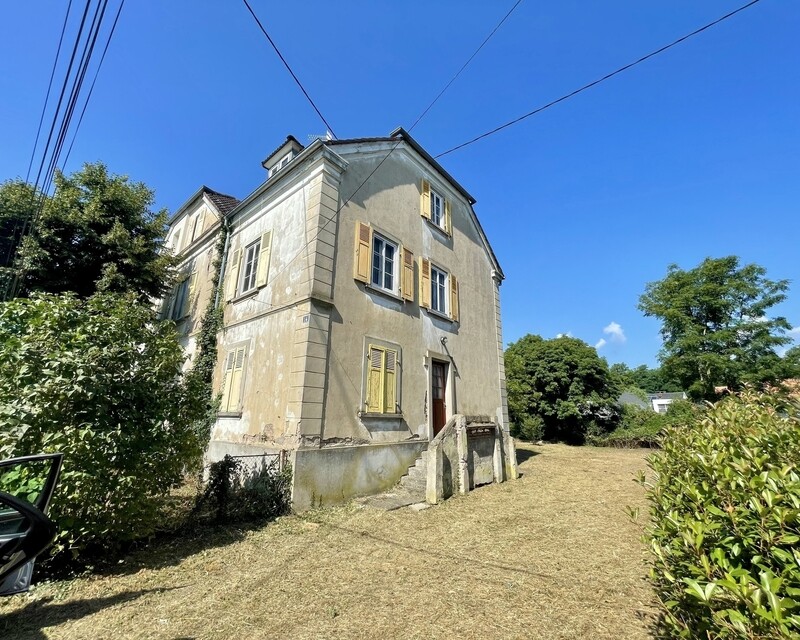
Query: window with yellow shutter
[
  {"x": 233, "y": 380},
  {"x": 382, "y": 379},
  {"x": 435, "y": 208}
]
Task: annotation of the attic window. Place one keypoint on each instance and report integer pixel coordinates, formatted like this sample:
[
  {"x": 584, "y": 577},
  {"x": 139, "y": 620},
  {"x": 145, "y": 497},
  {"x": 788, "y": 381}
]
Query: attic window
[{"x": 280, "y": 164}]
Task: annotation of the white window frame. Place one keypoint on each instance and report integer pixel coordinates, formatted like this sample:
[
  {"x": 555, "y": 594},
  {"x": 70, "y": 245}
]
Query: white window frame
[
  {"x": 441, "y": 296},
  {"x": 280, "y": 164},
  {"x": 381, "y": 268},
  {"x": 250, "y": 266},
  {"x": 437, "y": 208}
]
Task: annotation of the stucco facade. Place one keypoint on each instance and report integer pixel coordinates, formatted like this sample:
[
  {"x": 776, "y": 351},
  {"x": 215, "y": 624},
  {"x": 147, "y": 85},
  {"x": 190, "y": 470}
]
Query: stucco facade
[{"x": 361, "y": 311}]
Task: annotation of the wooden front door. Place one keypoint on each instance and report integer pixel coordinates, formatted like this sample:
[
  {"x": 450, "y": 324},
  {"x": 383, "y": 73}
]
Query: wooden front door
[{"x": 438, "y": 388}]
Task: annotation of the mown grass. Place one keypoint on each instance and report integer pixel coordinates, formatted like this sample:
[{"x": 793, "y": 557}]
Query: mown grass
[{"x": 551, "y": 555}]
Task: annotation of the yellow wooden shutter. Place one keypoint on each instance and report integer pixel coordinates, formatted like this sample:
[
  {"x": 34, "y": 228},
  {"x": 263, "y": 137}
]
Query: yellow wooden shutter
[
  {"x": 424, "y": 283},
  {"x": 407, "y": 283},
  {"x": 262, "y": 271},
  {"x": 375, "y": 402},
  {"x": 453, "y": 297},
  {"x": 232, "y": 280},
  {"x": 236, "y": 380},
  {"x": 425, "y": 200},
  {"x": 448, "y": 221},
  {"x": 390, "y": 381},
  {"x": 362, "y": 252},
  {"x": 227, "y": 378}
]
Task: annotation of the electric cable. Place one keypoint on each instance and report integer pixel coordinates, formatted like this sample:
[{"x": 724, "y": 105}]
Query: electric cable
[
  {"x": 91, "y": 88},
  {"x": 47, "y": 95},
  {"x": 286, "y": 64},
  {"x": 599, "y": 80}
]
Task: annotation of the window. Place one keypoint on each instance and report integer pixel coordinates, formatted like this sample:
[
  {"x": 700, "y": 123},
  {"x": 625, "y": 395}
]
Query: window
[
  {"x": 250, "y": 266},
  {"x": 382, "y": 263},
  {"x": 384, "y": 255},
  {"x": 280, "y": 164},
  {"x": 382, "y": 379},
  {"x": 232, "y": 380},
  {"x": 248, "y": 269},
  {"x": 435, "y": 208},
  {"x": 197, "y": 227},
  {"x": 180, "y": 300},
  {"x": 176, "y": 241},
  {"x": 438, "y": 290}
]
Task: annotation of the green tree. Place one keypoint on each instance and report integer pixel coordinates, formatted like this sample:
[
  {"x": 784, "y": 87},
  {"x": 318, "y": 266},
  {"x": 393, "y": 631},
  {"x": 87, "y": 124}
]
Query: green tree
[
  {"x": 715, "y": 326},
  {"x": 559, "y": 389},
  {"x": 17, "y": 202},
  {"x": 100, "y": 381},
  {"x": 643, "y": 378},
  {"x": 96, "y": 233}
]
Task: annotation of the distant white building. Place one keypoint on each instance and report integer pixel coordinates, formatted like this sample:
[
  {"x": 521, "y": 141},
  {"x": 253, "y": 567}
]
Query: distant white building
[{"x": 661, "y": 401}]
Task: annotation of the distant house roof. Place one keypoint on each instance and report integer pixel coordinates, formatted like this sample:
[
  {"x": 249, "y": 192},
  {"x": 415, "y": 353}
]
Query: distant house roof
[
  {"x": 632, "y": 398},
  {"x": 667, "y": 395}
]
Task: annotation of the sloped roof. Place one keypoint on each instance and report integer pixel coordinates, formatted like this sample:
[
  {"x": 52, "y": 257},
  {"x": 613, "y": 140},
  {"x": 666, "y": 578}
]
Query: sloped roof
[{"x": 224, "y": 203}]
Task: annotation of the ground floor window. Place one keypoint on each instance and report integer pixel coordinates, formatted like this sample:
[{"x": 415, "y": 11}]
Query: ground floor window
[
  {"x": 233, "y": 380},
  {"x": 382, "y": 379}
]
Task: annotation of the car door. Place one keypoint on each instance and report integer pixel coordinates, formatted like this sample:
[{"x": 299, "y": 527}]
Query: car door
[{"x": 26, "y": 488}]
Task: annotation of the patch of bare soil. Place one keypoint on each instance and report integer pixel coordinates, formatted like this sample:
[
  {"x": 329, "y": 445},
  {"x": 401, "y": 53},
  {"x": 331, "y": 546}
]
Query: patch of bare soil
[{"x": 551, "y": 555}]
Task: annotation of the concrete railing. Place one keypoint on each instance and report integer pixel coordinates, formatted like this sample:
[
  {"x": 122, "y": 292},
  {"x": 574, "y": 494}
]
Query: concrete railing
[{"x": 466, "y": 453}]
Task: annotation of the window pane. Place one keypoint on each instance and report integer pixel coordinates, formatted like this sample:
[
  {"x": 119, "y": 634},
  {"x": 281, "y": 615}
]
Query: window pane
[
  {"x": 388, "y": 278},
  {"x": 377, "y": 260}
]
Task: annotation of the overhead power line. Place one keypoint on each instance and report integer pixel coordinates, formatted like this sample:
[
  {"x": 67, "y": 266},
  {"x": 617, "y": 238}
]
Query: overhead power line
[
  {"x": 91, "y": 88},
  {"x": 389, "y": 153},
  {"x": 464, "y": 66},
  {"x": 286, "y": 64},
  {"x": 49, "y": 87},
  {"x": 598, "y": 81}
]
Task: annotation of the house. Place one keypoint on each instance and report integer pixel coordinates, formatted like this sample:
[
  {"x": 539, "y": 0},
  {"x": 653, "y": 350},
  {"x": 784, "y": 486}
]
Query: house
[
  {"x": 661, "y": 401},
  {"x": 361, "y": 314}
]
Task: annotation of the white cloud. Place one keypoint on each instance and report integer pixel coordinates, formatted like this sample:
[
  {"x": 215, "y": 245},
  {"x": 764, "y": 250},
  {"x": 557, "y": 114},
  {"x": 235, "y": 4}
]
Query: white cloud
[
  {"x": 795, "y": 331},
  {"x": 568, "y": 334},
  {"x": 600, "y": 343},
  {"x": 615, "y": 332}
]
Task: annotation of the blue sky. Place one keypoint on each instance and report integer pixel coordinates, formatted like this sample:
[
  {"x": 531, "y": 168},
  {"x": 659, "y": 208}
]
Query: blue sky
[{"x": 694, "y": 153}]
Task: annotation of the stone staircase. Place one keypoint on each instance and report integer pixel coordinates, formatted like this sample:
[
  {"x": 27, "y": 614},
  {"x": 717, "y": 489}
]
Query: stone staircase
[{"x": 408, "y": 492}]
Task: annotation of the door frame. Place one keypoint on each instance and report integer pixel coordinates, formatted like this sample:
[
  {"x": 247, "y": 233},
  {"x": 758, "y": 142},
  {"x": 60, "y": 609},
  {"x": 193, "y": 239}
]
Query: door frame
[{"x": 449, "y": 391}]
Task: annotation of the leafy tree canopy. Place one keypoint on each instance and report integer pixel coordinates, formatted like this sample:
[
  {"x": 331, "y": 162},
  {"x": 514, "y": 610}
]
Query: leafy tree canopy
[
  {"x": 17, "y": 201},
  {"x": 99, "y": 381},
  {"x": 715, "y": 326},
  {"x": 96, "y": 233},
  {"x": 644, "y": 378},
  {"x": 559, "y": 389}
]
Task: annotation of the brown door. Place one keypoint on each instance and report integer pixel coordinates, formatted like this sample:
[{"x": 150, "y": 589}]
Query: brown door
[{"x": 438, "y": 388}]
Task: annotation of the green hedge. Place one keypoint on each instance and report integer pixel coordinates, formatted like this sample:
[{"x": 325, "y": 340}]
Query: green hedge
[
  {"x": 100, "y": 381},
  {"x": 725, "y": 507}
]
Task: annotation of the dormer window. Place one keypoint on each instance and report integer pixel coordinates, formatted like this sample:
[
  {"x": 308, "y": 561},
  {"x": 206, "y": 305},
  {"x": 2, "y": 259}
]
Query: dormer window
[
  {"x": 282, "y": 156},
  {"x": 281, "y": 163}
]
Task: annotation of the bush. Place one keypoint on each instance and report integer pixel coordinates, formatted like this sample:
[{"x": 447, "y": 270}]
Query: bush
[
  {"x": 725, "y": 507},
  {"x": 241, "y": 493},
  {"x": 100, "y": 381},
  {"x": 641, "y": 427}
]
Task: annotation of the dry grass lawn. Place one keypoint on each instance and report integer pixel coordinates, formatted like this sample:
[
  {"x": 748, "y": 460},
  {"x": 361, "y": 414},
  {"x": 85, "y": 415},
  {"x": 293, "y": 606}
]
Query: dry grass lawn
[{"x": 552, "y": 555}]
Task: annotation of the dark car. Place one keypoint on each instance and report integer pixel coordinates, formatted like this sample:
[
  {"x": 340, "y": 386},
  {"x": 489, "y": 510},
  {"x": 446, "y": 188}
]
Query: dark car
[{"x": 26, "y": 488}]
